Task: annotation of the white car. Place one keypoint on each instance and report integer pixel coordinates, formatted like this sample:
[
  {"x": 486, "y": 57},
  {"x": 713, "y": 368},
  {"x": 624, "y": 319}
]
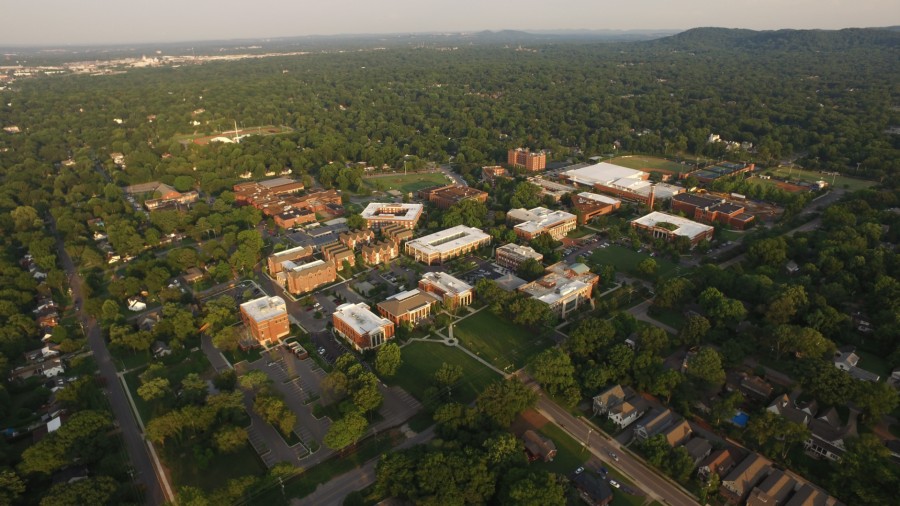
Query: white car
[{"x": 614, "y": 483}]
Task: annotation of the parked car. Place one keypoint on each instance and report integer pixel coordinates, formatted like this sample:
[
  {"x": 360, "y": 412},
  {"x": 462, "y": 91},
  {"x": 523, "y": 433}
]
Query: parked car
[
  {"x": 614, "y": 483},
  {"x": 614, "y": 456},
  {"x": 579, "y": 470}
]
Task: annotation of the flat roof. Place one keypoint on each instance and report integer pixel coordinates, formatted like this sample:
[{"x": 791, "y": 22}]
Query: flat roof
[
  {"x": 292, "y": 251},
  {"x": 360, "y": 318},
  {"x": 685, "y": 227},
  {"x": 384, "y": 210},
  {"x": 601, "y": 199},
  {"x": 446, "y": 282},
  {"x": 602, "y": 173},
  {"x": 404, "y": 302},
  {"x": 278, "y": 181},
  {"x": 539, "y": 219},
  {"x": 264, "y": 308},
  {"x": 522, "y": 251},
  {"x": 448, "y": 240}
]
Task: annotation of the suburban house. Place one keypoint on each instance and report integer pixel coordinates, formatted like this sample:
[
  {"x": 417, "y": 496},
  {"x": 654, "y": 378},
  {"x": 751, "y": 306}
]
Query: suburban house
[
  {"x": 828, "y": 435},
  {"x": 719, "y": 462},
  {"x": 160, "y": 349},
  {"x": 192, "y": 275},
  {"x": 594, "y": 490},
  {"x": 48, "y": 368},
  {"x": 266, "y": 318},
  {"x": 698, "y": 448},
  {"x": 786, "y": 407},
  {"x": 741, "y": 480},
  {"x": 654, "y": 423},
  {"x": 564, "y": 287},
  {"x": 362, "y": 328},
  {"x": 846, "y": 359},
  {"x": 773, "y": 490},
  {"x": 620, "y": 405},
  {"x": 678, "y": 433},
  {"x": 538, "y": 447},
  {"x": 134, "y": 304},
  {"x": 612, "y": 396},
  {"x": 513, "y": 255},
  {"x": 410, "y": 306},
  {"x": 452, "y": 291},
  {"x": 809, "y": 495}
]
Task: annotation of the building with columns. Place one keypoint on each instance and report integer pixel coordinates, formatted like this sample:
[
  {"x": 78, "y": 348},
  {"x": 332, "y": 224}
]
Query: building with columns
[
  {"x": 362, "y": 328},
  {"x": 453, "y": 292}
]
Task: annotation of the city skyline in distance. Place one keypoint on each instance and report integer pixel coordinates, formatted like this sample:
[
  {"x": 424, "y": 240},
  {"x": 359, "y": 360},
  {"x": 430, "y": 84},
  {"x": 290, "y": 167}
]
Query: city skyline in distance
[{"x": 104, "y": 22}]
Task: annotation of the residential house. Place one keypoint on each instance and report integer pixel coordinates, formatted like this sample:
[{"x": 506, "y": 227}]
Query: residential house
[
  {"x": 786, "y": 407},
  {"x": 698, "y": 448},
  {"x": 846, "y": 359},
  {"x": 741, "y": 480},
  {"x": 49, "y": 368},
  {"x": 678, "y": 433},
  {"x": 756, "y": 388},
  {"x": 773, "y": 490},
  {"x": 538, "y": 447},
  {"x": 592, "y": 489},
  {"x": 828, "y": 435},
  {"x": 626, "y": 413},
  {"x": 136, "y": 304},
  {"x": 809, "y": 495},
  {"x": 612, "y": 396},
  {"x": 160, "y": 349},
  {"x": 719, "y": 462},
  {"x": 654, "y": 423}
]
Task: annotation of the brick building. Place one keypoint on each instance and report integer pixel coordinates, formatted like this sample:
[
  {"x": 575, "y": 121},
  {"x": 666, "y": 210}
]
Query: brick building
[
  {"x": 410, "y": 306},
  {"x": 266, "y": 318},
  {"x": 445, "y": 245},
  {"x": 513, "y": 255},
  {"x": 531, "y": 161},
  {"x": 355, "y": 238},
  {"x": 490, "y": 173},
  {"x": 564, "y": 287},
  {"x": 362, "y": 328},
  {"x": 445, "y": 196},
  {"x": 338, "y": 254},
  {"x": 707, "y": 209},
  {"x": 590, "y": 205},
  {"x": 396, "y": 233},
  {"x": 291, "y": 218},
  {"x": 668, "y": 227},
  {"x": 531, "y": 223},
  {"x": 380, "y": 252},
  {"x": 275, "y": 260},
  {"x": 307, "y": 277},
  {"x": 453, "y": 292},
  {"x": 378, "y": 215}
]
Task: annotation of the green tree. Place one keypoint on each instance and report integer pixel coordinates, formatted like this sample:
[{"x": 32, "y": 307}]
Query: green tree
[
  {"x": 502, "y": 401},
  {"x": 530, "y": 270},
  {"x": 227, "y": 339},
  {"x": 535, "y": 489},
  {"x": 694, "y": 330},
  {"x": 230, "y": 439},
  {"x": 388, "y": 359},
  {"x": 11, "y": 486},
  {"x": 865, "y": 474},
  {"x": 720, "y": 308},
  {"x": 706, "y": 366},
  {"x": 345, "y": 431},
  {"x": 96, "y": 490},
  {"x": 590, "y": 336},
  {"x": 446, "y": 376},
  {"x": 648, "y": 267},
  {"x": 156, "y": 388},
  {"x": 553, "y": 369}
]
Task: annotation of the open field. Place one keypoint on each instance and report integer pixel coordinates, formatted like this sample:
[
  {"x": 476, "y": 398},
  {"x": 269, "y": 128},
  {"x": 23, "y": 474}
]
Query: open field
[
  {"x": 812, "y": 176},
  {"x": 202, "y": 139},
  {"x": 505, "y": 345},
  {"x": 626, "y": 260},
  {"x": 650, "y": 163},
  {"x": 421, "y": 360},
  {"x": 409, "y": 183}
]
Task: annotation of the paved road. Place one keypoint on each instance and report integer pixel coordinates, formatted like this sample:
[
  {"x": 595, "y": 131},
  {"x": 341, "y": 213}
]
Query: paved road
[
  {"x": 333, "y": 492},
  {"x": 656, "y": 486},
  {"x": 138, "y": 453}
]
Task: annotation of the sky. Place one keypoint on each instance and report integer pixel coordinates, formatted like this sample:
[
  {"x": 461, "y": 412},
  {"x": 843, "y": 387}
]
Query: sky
[{"x": 76, "y": 22}]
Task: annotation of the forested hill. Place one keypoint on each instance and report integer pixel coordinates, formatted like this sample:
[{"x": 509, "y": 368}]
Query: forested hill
[{"x": 729, "y": 39}]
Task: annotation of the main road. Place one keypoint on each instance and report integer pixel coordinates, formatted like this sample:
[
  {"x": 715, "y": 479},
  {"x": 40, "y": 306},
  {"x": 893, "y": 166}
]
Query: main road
[
  {"x": 145, "y": 473},
  {"x": 657, "y": 487}
]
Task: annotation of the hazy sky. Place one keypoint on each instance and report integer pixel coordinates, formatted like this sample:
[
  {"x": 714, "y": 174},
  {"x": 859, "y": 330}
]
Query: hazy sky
[{"x": 60, "y": 22}]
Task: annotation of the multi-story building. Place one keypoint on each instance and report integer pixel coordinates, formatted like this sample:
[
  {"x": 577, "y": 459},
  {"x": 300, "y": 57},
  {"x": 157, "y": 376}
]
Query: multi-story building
[
  {"x": 513, "y": 255},
  {"x": 266, "y": 318},
  {"x": 276, "y": 186},
  {"x": 378, "y": 215},
  {"x": 668, "y": 227},
  {"x": 362, "y": 328},
  {"x": 445, "y": 196},
  {"x": 291, "y": 217},
  {"x": 309, "y": 276},
  {"x": 540, "y": 220},
  {"x": 396, "y": 233},
  {"x": 338, "y": 253},
  {"x": 706, "y": 209},
  {"x": 531, "y": 161},
  {"x": 355, "y": 238},
  {"x": 380, "y": 252},
  {"x": 490, "y": 173},
  {"x": 624, "y": 183},
  {"x": 276, "y": 259},
  {"x": 590, "y": 205},
  {"x": 447, "y": 244},
  {"x": 453, "y": 292},
  {"x": 275, "y": 198},
  {"x": 410, "y": 306},
  {"x": 564, "y": 287}
]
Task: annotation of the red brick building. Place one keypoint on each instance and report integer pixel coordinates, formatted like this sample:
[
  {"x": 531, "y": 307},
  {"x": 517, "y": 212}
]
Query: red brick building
[
  {"x": 338, "y": 254},
  {"x": 396, "y": 233},
  {"x": 590, "y": 205},
  {"x": 294, "y": 217},
  {"x": 445, "y": 196},
  {"x": 707, "y": 209},
  {"x": 530, "y": 161},
  {"x": 362, "y": 328},
  {"x": 276, "y": 259},
  {"x": 410, "y": 306},
  {"x": 307, "y": 277},
  {"x": 380, "y": 252},
  {"x": 266, "y": 318},
  {"x": 356, "y": 238}
]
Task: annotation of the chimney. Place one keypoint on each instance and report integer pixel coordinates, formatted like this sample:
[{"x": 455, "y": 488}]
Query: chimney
[{"x": 652, "y": 197}]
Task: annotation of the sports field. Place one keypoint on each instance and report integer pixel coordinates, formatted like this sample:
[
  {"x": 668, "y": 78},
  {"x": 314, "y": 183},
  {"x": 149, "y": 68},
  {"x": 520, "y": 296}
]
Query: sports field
[
  {"x": 650, "y": 163},
  {"x": 812, "y": 176},
  {"x": 421, "y": 360},
  {"x": 203, "y": 138},
  {"x": 409, "y": 183},
  {"x": 505, "y": 345}
]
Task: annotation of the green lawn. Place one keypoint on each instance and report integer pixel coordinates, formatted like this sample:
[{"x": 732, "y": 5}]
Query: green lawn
[
  {"x": 579, "y": 232},
  {"x": 407, "y": 183},
  {"x": 421, "y": 360},
  {"x": 190, "y": 467},
  {"x": 670, "y": 317},
  {"x": 505, "y": 345},
  {"x": 626, "y": 260},
  {"x": 649, "y": 163},
  {"x": 812, "y": 176},
  {"x": 873, "y": 363}
]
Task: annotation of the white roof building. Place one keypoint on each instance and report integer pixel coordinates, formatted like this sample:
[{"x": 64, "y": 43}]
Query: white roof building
[
  {"x": 393, "y": 213},
  {"x": 600, "y": 199},
  {"x": 264, "y": 308},
  {"x": 603, "y": 173},
  {"x": 446, "y": 244},
  {"x": 360, "y": 318},
  {"x": 446, "y": 283},
  {"x": 683, "y": 226}
]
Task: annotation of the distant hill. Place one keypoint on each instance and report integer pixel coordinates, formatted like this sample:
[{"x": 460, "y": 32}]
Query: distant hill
[{"x": 796, "y": 40}]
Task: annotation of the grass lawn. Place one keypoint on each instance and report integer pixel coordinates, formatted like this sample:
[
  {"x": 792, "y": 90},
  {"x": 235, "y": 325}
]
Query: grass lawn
[
  {"x": 579, "y": 232},
  {"x": 505, "y": 345},
  {"x": 570, "y": 454},
  {"x": 407, "y": 183},
  {"x": 126, "y": 360},
  {"x": 873, "y": 363},
  {"x": 812, "y": 176},
  {"x": 649, "y": 163},
  {"x": 186, "y": 469},
  {"x": 421, "y": 360},
  {"x": 730, "y": 235},
  {"x": 239, "y": 355},
  {"x": 626, "y": 260},
  {"x": 145, "y": 410},
  {"x": 670, "y": 317}
]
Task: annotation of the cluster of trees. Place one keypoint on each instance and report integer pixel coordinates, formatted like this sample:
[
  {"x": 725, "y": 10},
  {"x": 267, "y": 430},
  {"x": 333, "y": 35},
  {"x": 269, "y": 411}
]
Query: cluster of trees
[
  {"x": 519, "y": 308},
  {"x": 356, "y": 390}
]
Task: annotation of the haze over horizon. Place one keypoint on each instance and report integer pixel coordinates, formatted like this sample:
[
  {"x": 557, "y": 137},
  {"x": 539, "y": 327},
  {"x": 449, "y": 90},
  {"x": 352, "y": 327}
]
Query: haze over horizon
[{"x": 63, "y": 22}]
